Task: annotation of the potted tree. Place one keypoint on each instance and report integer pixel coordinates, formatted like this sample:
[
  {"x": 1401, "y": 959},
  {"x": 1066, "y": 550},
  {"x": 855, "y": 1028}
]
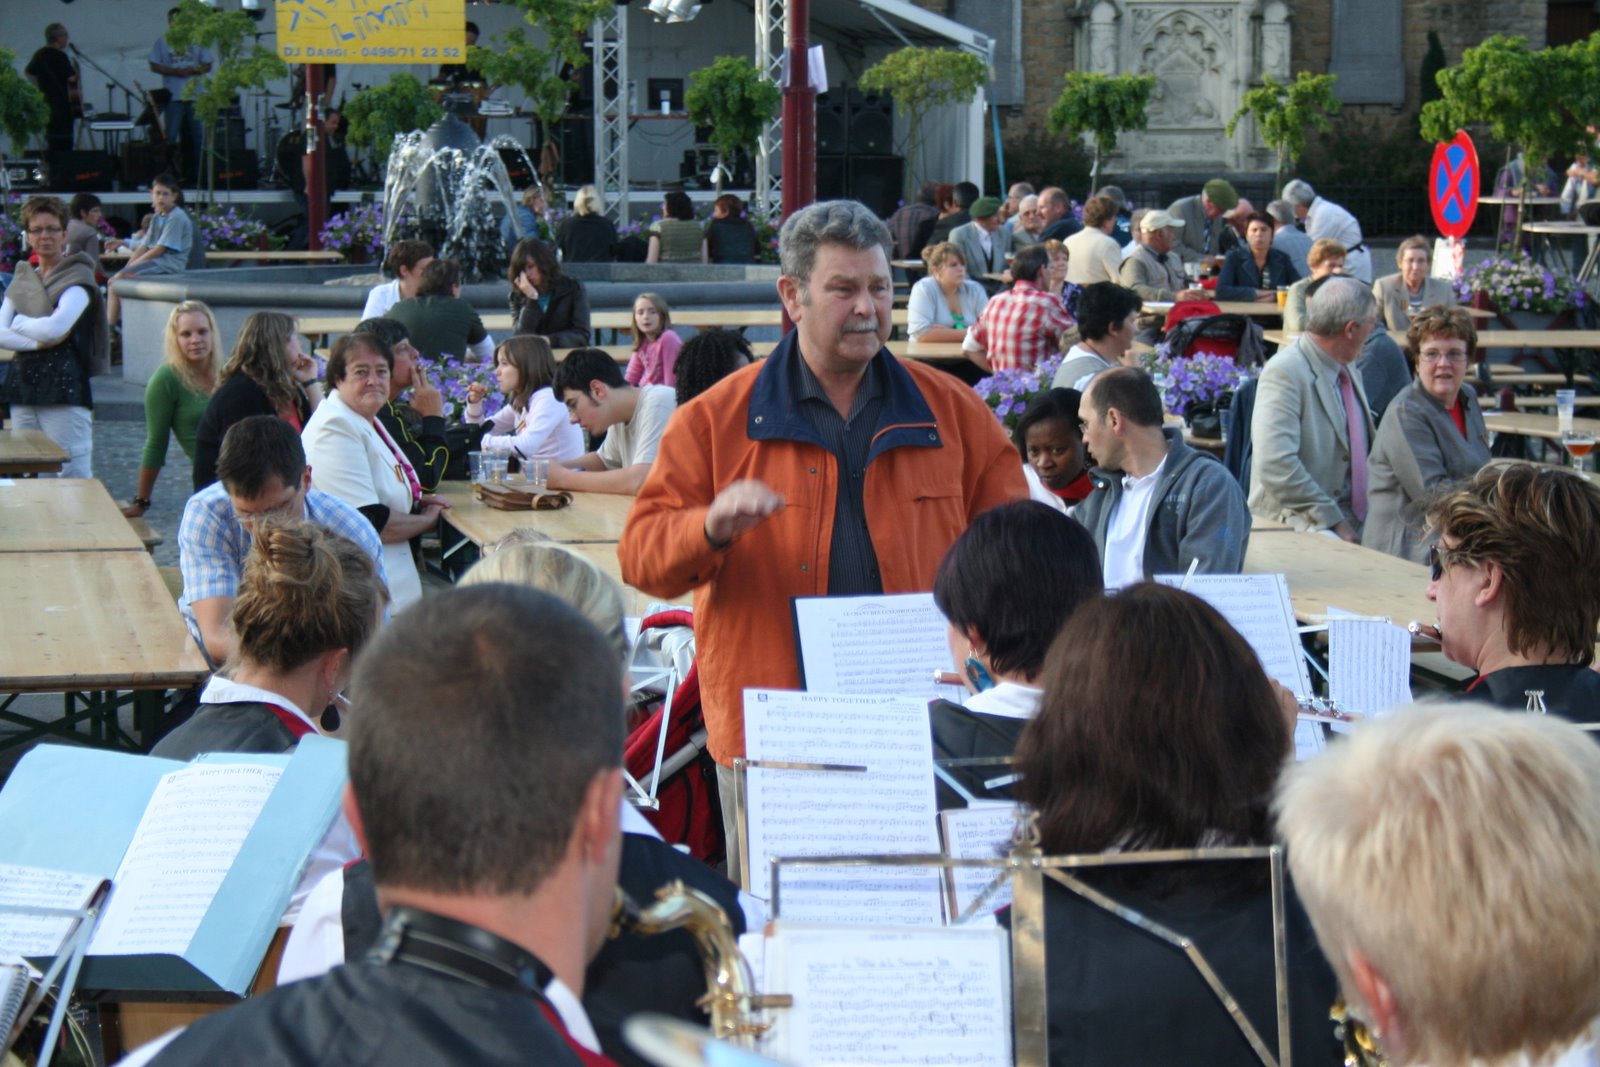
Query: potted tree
[
  {"x": 732, "y": 98},
  {"x": 920, "y": 79},
  {"x": 545, "y": 72},
  {"x": 1101, "y": 106},
  {"x": 1283, "y": 110},
  {"x": 241, "y": 63},
  {"x": 23, "y": 113},
  {"x": 379, "y": 113}
]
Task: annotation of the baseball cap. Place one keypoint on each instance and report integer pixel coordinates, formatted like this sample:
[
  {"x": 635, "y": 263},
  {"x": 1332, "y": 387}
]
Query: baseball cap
[{"x": 1159, "y": 220}]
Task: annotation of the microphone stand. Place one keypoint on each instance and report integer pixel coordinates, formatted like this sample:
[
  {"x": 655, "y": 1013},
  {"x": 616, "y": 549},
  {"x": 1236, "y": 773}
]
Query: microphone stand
[{"x": 111, "y": 80}]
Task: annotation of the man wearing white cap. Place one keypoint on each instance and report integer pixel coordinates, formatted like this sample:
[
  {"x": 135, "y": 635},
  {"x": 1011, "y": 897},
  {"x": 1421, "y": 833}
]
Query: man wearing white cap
[{"x": 1153, "y": 269}]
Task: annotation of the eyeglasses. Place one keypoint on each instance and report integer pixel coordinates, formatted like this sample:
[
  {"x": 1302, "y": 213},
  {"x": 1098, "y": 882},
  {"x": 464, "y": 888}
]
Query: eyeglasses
[
  {"x": 1438, "y": 560},
  {"x": 1446, "y": 357},
  {"x": 44, "y": 231}
]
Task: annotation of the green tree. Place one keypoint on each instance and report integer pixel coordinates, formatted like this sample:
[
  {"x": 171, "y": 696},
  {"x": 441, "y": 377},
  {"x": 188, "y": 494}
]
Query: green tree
[
  {"x": 1101, "y": 106},
  {"x": 535, "y": 68},
  {"x": 239, "y": 63},
  {"x": 1283, "y": 110},
  {"x": 1537, "y": 101},
  {"x": 380, "y": 113},
  {"x": 920, "y": 79},
  {"x": 23, "y": 110},
  {"x": 733, "y": 99}
]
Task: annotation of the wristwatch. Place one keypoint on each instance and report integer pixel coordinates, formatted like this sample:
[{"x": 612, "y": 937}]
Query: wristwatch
[{"x": 142, "y": 502}]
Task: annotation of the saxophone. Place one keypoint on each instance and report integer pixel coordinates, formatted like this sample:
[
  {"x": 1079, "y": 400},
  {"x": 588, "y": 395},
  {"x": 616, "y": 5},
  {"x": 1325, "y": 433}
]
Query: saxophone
[
  {"x": 735, "y": 1007},
  {"x": 1360, "y": 1050}
]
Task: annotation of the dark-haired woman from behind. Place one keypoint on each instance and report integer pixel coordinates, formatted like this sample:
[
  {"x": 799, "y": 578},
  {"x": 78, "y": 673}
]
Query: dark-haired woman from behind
[
  {"x": 1005, "y": 588},
  {"x": 308, "y": 602},
  {"x": 1158, "y": 730},
  {"x": 707, "y": 358}
]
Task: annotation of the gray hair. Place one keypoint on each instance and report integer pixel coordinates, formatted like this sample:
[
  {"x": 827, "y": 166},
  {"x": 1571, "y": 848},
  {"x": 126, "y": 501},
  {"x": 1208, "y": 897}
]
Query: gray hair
[
  {"x": 1115, "y": 193},
  {"x": 1338, "y": 301},
  {"x": 1281, "y": 211},
  {"x": 1020, "y": 189},
  {"x": 1299, "y": 192},
  {"x": 838, "y": 222}
]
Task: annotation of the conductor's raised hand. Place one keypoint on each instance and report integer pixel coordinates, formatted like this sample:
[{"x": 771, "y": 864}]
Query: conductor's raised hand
[{"x": 740, "y": 506}]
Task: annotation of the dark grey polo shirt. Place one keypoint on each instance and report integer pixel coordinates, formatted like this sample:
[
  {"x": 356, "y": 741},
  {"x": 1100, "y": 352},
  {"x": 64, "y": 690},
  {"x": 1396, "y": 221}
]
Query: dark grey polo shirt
[{"x": 852, "y": 561}]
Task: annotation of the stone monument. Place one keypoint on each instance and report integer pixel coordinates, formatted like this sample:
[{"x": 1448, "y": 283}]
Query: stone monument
[{"x": 1204, "y": 57}]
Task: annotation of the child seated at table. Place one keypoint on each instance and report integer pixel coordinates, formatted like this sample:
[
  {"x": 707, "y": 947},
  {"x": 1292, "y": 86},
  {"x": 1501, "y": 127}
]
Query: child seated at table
[
  {"x": 533, "y": 423},
  {"x": 655, "y": 346}
]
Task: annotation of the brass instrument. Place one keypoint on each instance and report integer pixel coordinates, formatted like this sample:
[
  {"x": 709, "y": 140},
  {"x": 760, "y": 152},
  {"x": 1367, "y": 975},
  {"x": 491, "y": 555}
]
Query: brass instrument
[
  {"x": 1360, "y": 1050},
  {"x": 731, "y": 998}
]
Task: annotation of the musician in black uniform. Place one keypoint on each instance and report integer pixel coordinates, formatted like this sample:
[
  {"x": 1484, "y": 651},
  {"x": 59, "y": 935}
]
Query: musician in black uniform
[
  {"x": 485, "y": 783},
  {"x": 57, "y": 78},
  {"x": 1516, "y": 581}
]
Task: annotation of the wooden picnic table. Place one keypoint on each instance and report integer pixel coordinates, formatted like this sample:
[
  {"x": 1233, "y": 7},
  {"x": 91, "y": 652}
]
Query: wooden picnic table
[
  {"x": 29, "y": 452},
  {"x": 62, "y": 515},
  {"x": 1527, "y": 424},
  {"x": 1324, "y": 571},
  {"x": 1259, "y": 308},
  {"x": 704, "y": 318},
  {"x": 89, "y": 624},
  {"x": 1548, "y": 400},
  {"x": 603, "y": 554},
  {"x": 1509, "y": 374},
  {"x": 302, "y": 256},
  {"x": 590, "y": 517}
]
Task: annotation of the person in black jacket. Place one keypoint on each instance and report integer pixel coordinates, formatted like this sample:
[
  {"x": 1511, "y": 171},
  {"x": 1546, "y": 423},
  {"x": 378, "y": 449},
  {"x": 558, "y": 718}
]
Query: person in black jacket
[
  {"x": 1159, "y": 730},
  {"x": 586, "y": 236},
  {"x": 545, "y": 301},
  {"x": 1005, "y": 587},
  {"x": 268, "y": 373},
  {"x": 1516, "y": 581},
  {"x": 729, "y": 236},
  {"x": 417, "y": 425}
]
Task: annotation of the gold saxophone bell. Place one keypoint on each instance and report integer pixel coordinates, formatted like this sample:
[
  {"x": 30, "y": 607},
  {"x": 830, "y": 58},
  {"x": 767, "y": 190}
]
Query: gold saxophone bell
[
  {"x": 1359, "y": 1048},
  {"x": 736, "y": 1009}
]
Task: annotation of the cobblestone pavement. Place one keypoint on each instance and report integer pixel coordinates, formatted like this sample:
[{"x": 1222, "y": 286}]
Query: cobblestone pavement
[{"x": 118, "y": 444}]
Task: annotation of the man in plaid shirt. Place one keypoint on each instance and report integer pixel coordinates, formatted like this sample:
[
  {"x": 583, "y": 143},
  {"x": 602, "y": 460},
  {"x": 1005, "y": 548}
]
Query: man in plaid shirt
[
  {"x": 262, "y": 474},
  {"x": 1023, "y": 325}
]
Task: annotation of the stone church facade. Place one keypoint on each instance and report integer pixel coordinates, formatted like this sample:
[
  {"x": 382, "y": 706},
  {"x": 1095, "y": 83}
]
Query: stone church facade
[{"x": 1205, "y": 55}]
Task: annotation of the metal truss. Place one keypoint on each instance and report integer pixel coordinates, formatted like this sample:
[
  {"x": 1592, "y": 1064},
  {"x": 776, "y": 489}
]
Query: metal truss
[
  {"x": 610, "y": 37},
  {"x": 772, "y": 30}
]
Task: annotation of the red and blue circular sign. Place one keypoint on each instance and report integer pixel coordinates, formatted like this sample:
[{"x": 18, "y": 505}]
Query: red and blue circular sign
[{"x": 1453, "y": 185}]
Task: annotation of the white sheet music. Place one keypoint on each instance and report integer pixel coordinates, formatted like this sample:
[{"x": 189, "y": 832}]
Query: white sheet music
[
  {"x": 875, "y": 996},
  {"x": 978, "y": 831},
  {"x": 1369, "y": 665},
  {"x": 887, "y": 809},
  {"x": 1308, "y": 739},
  {"x": 877, "y": 645},
  {"x": 39, "y": 887},
  {"x": 192, "y": 830},
  {"x": 1257, "y": 605}
]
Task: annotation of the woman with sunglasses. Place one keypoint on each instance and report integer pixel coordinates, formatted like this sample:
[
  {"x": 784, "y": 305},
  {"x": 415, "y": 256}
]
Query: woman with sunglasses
[
  {"x": 1516, "y": 582},
  {"x": 1431, "y": 436}
]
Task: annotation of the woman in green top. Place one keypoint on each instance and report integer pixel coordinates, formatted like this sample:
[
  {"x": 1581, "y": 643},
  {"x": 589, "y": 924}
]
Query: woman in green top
[
  {"x": 177, "y": 393},
  {"x": 676, "y": 237}
]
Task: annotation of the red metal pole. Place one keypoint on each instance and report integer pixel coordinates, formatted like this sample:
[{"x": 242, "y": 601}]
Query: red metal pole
[
  {"x": 799, "y": 115},
  {"x": 316, "y": 170}
]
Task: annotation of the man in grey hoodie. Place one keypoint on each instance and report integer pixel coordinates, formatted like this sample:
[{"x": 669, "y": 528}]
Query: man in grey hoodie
[{"x": 1157, "y": 504}]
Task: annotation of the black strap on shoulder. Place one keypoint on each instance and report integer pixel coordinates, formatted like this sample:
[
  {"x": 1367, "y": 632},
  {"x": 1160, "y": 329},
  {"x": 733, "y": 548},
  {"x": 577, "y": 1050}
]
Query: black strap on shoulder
[{"x": 460, "y": 951}]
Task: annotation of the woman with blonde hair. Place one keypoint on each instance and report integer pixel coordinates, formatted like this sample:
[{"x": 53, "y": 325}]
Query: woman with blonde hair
[
  {"x": 308, "y": 602},
  {"x": 176, "y": 396},
  {"x": 534, "y": 422},
  {"x": 532, "y": 561},
  {"x": 945, "y": 304},
  {"x": 267, "y": 374},
  {"x": 586, "y": 236}
]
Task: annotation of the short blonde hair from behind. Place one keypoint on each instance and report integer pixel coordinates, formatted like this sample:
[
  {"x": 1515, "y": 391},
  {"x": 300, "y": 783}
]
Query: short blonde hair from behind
[
  {"x": 1457, "y": 848},
  {"x": 538, "y": 563}
]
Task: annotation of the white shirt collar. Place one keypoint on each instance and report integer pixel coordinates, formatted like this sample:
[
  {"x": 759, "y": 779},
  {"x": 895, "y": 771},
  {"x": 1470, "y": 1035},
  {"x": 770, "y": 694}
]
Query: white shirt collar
[
  {"x": 573, "y": 1017},
  {"x": 634, "y": 823},
  {"x": 1010, "y": 700},
  {"x": 1130, "y": 483},
  {"x": 222, "y": 690}
]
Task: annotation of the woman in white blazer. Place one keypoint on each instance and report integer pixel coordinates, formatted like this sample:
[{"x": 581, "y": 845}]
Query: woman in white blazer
[{"x": 353, "y": 458}]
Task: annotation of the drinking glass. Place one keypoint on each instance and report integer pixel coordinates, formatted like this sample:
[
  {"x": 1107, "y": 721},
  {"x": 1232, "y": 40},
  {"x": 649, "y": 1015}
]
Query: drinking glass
[
  {"x": 537, "y": 471},
  {"x": 1578, "y": 443}
]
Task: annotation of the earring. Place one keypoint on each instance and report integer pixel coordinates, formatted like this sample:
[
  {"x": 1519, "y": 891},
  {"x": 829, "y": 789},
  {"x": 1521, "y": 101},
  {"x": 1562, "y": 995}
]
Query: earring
[{"x": 978, "y": 674}]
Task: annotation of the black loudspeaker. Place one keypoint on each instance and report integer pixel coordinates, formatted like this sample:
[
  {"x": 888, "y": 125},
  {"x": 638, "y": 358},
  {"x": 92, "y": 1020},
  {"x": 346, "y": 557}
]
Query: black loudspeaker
[
  {"x": 833, "y": 123},
  {"x": 519, "y": 167},
  {"x": 832, "y": 178},
  {"x": 143, "y": 160},
  {"x": 871, "y": 124},
  {"x": 876, "y": 181},
  {"x": 239, "y": 170},
  {"x": 70, "y": 171}
]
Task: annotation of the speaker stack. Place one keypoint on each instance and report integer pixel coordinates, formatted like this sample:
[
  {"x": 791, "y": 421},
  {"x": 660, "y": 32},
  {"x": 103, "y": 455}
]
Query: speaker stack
[{"x": 855, "y": 150}]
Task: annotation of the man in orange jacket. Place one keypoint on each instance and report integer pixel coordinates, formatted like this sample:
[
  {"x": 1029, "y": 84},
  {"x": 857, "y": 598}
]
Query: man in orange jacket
[{"x": 830, "y": 468}]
